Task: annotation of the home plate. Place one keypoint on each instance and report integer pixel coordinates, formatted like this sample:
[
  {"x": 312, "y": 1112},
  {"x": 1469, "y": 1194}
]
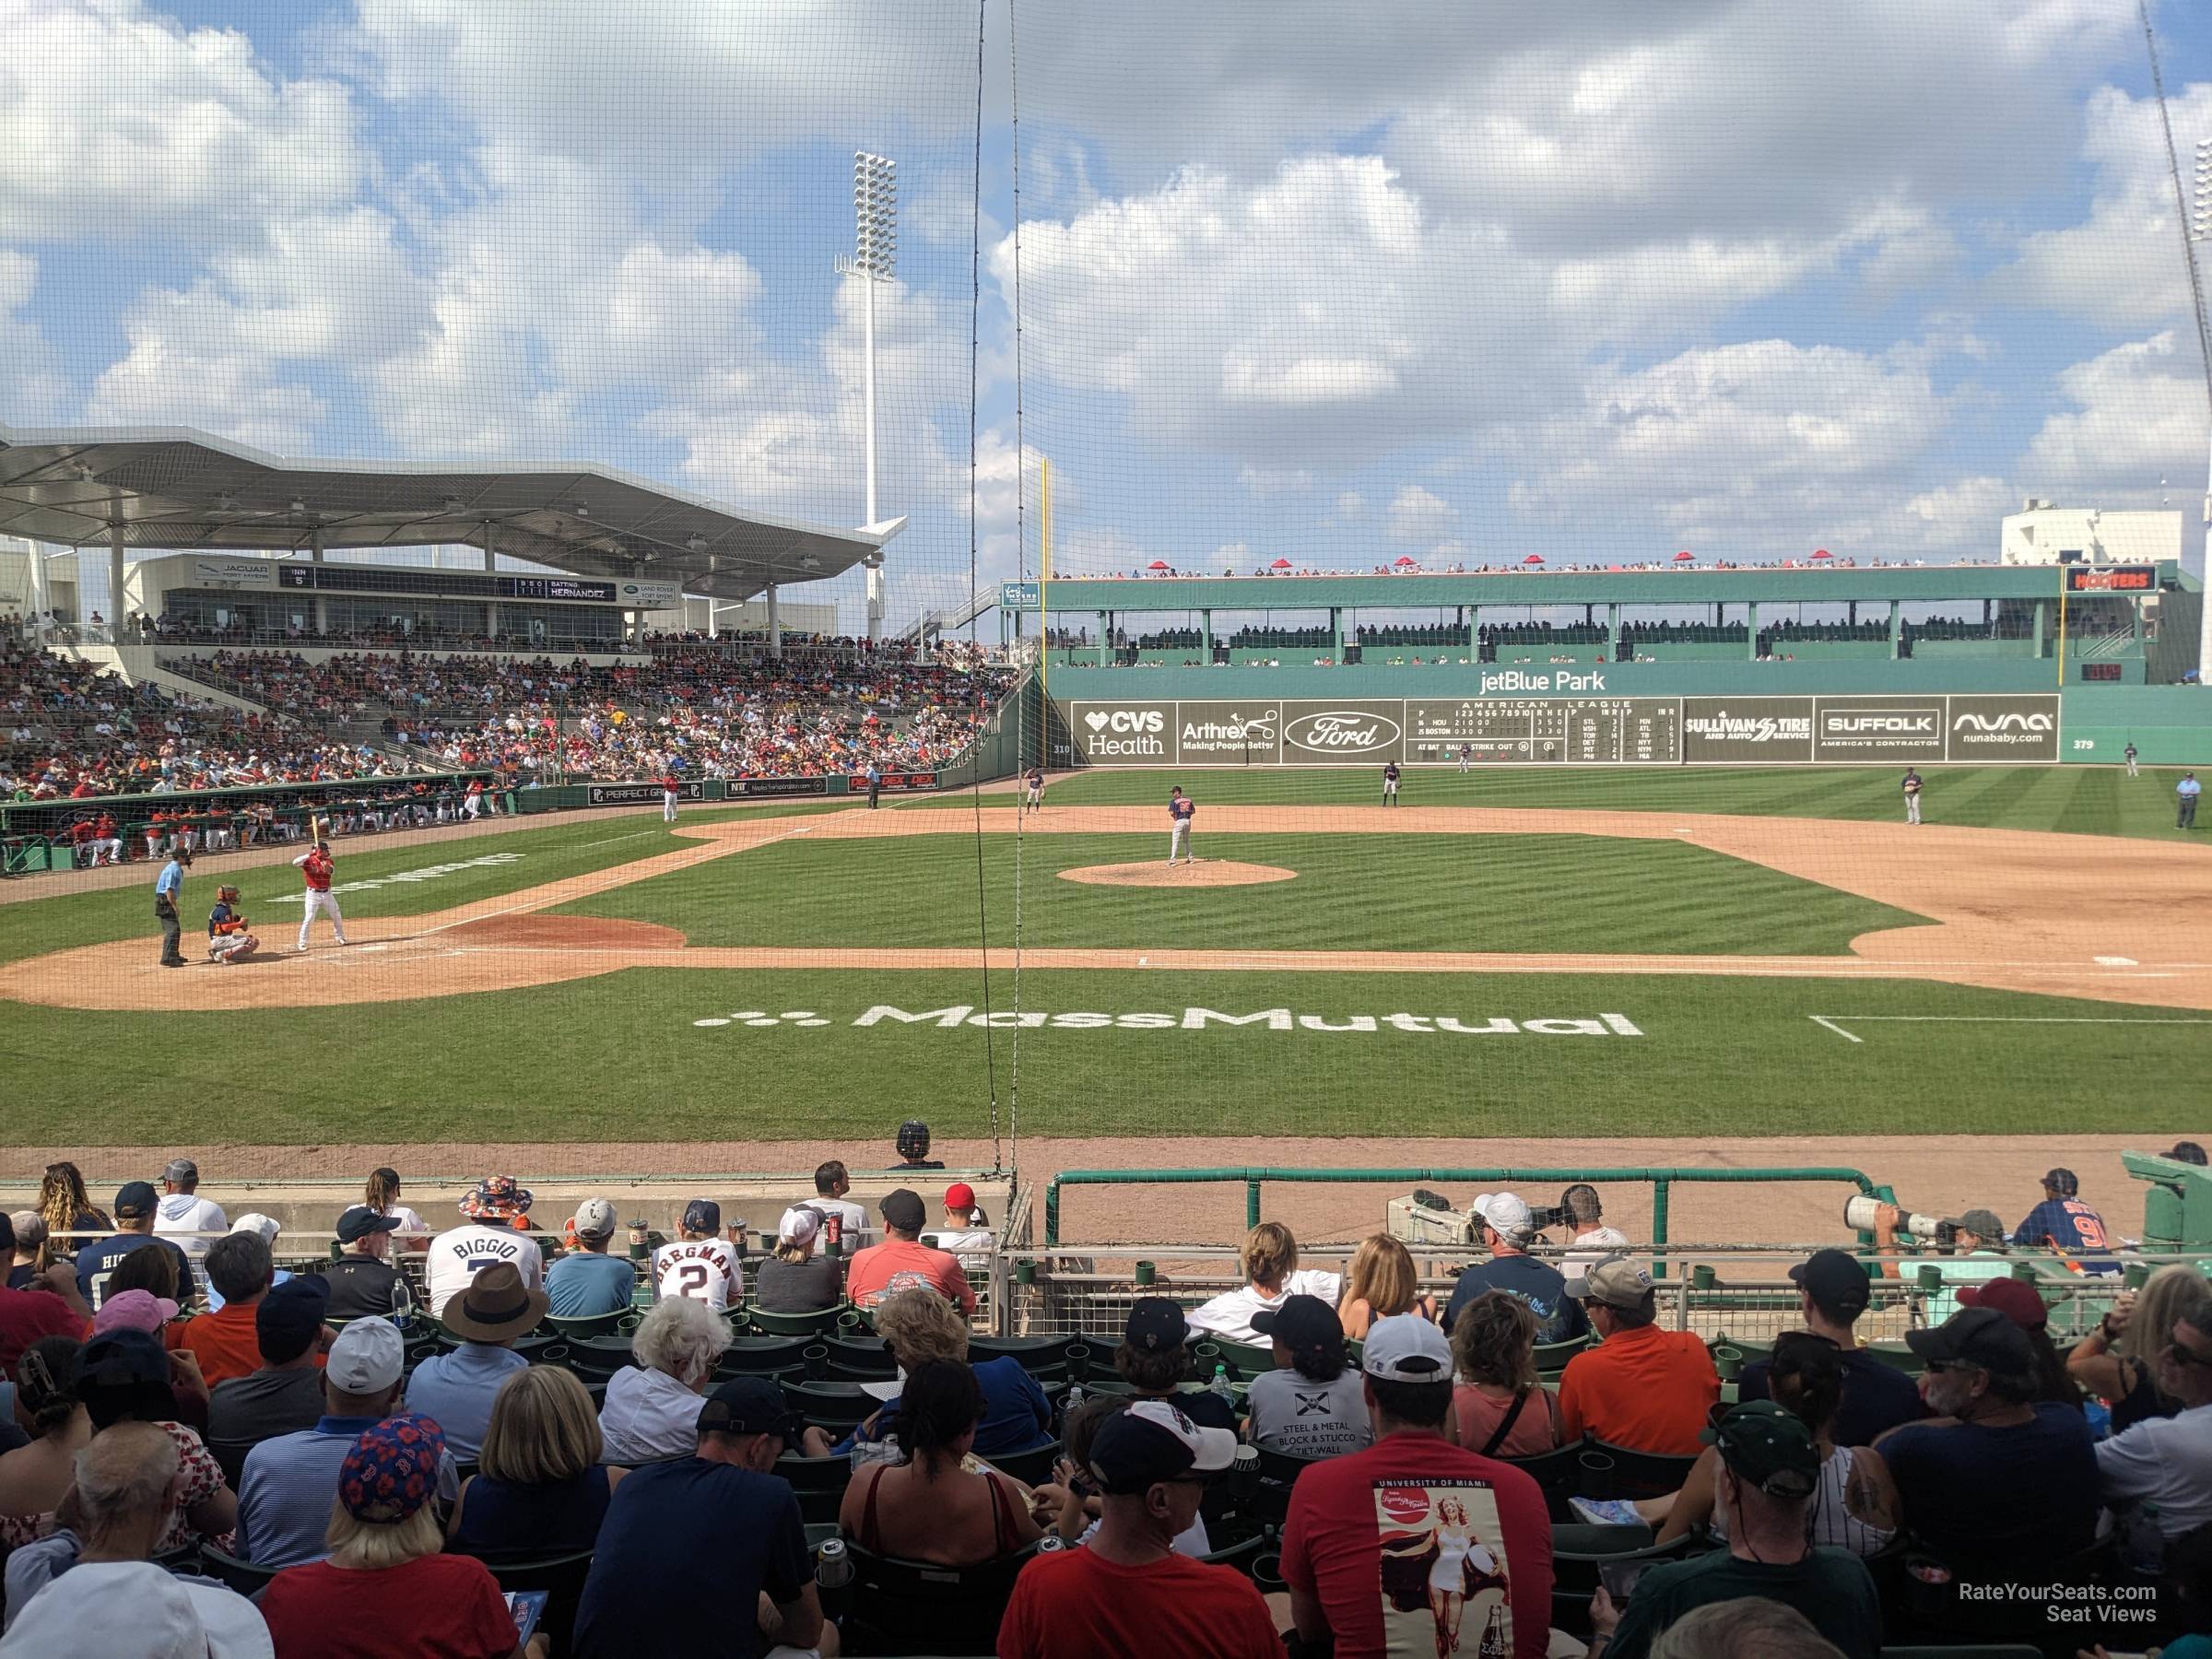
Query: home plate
[{"x": 2113, "y": 961}]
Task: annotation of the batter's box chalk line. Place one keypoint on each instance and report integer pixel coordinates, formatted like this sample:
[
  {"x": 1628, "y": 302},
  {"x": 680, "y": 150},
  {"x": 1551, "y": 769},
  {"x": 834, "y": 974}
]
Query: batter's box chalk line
[
  {"x": 753, "y": 1016},
  {"x": 1833, "y": 1021}
]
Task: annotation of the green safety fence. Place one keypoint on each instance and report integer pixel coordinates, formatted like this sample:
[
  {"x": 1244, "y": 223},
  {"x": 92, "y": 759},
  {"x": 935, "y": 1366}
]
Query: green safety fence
[{"x": 1662, "y": 1182}]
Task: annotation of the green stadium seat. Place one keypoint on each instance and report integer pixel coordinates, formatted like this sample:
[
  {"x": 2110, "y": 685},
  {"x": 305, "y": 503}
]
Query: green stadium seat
[
  {"x": 1032, "y": 1465},
  {"x": 1557, "y": 1473},
  {"x": 242, "y": 1576},
  {"x": 594, "y": 1324},
  {"x": 859, "y": 1359},
  {"x": 755, "y": 1355},
  {"x": 1245, "y": 1360},
  {"x": 1577, "y": 1550},
  {"x": 817, "y": 1323},
  {"x": 1622, "y": 1472},
  {"x": 838, "y": 1406},
  {"x": 1040, "y": 1356},
  {"x": 596, "y": 1358},
  {"x": 819, "y": 1484},
  {"x": 1552, "y": 1357},
  {"x": 889, "y": 1601}
]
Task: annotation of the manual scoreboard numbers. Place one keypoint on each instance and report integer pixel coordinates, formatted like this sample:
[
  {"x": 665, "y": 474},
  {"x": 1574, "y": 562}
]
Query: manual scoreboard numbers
[{"x": 1587, "y": 730}]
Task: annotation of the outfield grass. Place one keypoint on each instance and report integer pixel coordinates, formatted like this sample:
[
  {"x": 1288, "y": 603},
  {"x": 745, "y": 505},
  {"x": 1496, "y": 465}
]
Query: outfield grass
[
  {"x": 2080, "y": 800},
  {"x": 557, "y": 851},
  {"x": 621, "y": 1057},
  {"x": 1356, "y": 892}
]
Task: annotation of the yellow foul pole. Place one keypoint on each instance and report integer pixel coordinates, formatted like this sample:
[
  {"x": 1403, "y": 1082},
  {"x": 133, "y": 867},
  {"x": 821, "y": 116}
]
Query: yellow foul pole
[{"x": 1045, "y": 574}]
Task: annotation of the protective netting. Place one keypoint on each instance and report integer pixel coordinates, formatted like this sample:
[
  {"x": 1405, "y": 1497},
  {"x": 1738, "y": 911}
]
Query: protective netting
[{"x": 1616, "y": 423}]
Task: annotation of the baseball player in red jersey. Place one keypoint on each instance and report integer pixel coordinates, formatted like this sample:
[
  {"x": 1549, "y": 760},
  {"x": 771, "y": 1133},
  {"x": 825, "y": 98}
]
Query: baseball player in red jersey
[
  {"x": 668, "y": 798},
  {"x": 316, "y": 864}
]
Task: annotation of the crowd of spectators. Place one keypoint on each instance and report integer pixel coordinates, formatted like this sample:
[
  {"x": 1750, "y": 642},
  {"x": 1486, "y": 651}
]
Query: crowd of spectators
[{"x": 192, "y": 1417}]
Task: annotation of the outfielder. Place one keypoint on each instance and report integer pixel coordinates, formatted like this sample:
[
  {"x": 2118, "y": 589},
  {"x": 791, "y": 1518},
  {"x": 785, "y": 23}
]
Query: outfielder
[
  {"x": 1181, "y": 810},
  {"x": 316, "y": 865},
  {"x": 2128, "y": 754},
  {"x": 1390, "y": 782},
  {"x": 1035, "y": 803},
  {"x": 1912, "y": 789},
  {"x": 1466, "y": 753},
  {"x": 228, "y": 939}
]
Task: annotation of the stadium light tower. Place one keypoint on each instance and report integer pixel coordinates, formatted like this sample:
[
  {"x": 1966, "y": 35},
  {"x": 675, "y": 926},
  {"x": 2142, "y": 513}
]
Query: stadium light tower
[{"x": 874, "y": 259}]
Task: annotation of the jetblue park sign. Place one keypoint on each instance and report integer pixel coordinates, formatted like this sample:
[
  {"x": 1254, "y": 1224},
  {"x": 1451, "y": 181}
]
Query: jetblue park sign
[{"x": 1502, "y": 725}]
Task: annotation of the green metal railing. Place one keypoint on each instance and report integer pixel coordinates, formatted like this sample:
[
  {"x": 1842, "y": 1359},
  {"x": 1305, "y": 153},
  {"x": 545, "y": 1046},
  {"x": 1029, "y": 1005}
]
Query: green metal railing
[{"x": 1660, "y": 1180}]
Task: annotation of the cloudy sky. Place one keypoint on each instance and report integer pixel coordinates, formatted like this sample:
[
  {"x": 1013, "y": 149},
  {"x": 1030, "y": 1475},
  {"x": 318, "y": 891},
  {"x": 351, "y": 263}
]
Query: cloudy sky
[{"x": 1305, "y": 279}]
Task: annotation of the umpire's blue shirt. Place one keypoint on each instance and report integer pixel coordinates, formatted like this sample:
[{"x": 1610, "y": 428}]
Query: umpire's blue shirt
[{"x": 170, "y": 880}]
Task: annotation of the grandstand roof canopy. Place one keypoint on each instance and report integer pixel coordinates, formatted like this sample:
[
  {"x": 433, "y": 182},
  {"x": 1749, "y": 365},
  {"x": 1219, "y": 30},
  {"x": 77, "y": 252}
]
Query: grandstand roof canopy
[{"x": 174, "y": 488}]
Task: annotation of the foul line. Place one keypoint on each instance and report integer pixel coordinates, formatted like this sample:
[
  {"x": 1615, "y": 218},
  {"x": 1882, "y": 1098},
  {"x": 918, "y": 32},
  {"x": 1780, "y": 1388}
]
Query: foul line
[{"x": 1823, "y": 1019}]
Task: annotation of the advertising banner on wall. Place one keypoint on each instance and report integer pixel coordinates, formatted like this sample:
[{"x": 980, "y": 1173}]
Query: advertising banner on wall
[
  {"x": 1229, "y": 733},
  {"x": 1775, "y": 729},
  {"x": 1343, "y": 734},
  {"x": 1123, "y": 733},
  {"x": 1879, "y": 728},
  {"x": 639, "y": 795},
  {"x": 766, "y": 788},
  {"x": 2003, "y": 728},
  {"x": 227, "y": 573}
]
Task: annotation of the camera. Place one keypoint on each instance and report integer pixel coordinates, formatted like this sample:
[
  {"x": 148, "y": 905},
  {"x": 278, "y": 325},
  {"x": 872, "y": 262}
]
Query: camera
[
  {"x": 1549, "y": 1216},
  {"x": 1859, "y": 1214}
]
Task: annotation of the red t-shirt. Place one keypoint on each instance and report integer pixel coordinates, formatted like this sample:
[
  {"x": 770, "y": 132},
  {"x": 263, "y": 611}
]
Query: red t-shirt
[
  {"x": 1077, "y": 1605},
  {"x": 1373, "y": 1534},
  {"x": 437, "y": 1607},
  {"x": 1646, "y": 1389},
  {"x": 26, "y": 1315},
  {"x": 903, "y": 1265}
]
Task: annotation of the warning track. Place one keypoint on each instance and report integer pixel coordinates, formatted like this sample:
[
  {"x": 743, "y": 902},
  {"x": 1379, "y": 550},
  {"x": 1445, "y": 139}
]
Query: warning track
[{"x": 2012, "y": 910}]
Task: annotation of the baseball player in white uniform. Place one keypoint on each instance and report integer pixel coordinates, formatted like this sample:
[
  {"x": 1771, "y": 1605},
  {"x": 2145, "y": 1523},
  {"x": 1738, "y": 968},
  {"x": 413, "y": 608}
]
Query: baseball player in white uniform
[
  {"x": 1181, "y": 810},
  {"x": 701, "y": 1264},
  {"x": 316, "y": 865}
]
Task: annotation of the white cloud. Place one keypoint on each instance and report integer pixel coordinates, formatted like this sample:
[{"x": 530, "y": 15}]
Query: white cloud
[
  {"x": 1264, "y": 481},
  {"x": 1349, "y": 504},
  {"x": 118, "y": 123},
  {"x": 1417, "y": 515},
  {"x": 29, "y": 367},
  {"x": 2122, "y": 265},
  {"x": 2138, "y": 414}
]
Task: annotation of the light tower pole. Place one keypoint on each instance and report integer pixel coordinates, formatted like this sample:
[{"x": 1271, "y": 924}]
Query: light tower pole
[
  {"x": 2200, "y": 233},
  {"x": 874, "y": 259}
]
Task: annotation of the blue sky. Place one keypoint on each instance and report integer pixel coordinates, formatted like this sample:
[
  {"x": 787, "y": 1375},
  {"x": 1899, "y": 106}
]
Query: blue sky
[{"x": 1338, "y": 286}]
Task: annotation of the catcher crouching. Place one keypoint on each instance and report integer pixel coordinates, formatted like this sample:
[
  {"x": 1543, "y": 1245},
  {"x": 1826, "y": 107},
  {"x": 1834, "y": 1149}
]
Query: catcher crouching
[{"x": 229, "y": 938}]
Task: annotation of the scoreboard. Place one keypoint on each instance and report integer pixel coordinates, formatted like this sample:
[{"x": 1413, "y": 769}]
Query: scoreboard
[{"x": 1615, "y": 729}]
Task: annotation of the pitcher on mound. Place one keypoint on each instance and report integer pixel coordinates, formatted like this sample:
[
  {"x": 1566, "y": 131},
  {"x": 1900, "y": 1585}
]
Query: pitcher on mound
[
  {"x": 316, "y": 865},
  {"x": 1181, "y": 810}
]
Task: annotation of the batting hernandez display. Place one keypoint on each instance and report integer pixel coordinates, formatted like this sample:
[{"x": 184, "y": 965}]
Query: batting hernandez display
[{"x": 315, "y": 865}]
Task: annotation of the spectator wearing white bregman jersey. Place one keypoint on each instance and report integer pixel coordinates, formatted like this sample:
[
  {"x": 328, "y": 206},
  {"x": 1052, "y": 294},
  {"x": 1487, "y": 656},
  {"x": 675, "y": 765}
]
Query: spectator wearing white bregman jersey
[
  {"x": 1271, "y": 1271},
  {"x": 700, "y": 1264}
]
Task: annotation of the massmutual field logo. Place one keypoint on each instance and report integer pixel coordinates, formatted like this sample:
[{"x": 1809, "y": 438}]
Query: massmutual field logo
[{"x": 962, "y": 1014}]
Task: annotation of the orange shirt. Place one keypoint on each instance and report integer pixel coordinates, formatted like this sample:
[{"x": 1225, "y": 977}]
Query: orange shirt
[
  {"x": 903, "y": 1263},
  {"x": 1645, "y": 1389},
  {"x": 227, "y": 1343}
]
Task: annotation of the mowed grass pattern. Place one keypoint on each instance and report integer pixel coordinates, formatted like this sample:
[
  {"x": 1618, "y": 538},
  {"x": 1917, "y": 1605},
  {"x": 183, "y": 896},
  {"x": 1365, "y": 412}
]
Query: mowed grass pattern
[
  {"x": 2079, "y": 800},
  {"x": 1353, "y": 892}
]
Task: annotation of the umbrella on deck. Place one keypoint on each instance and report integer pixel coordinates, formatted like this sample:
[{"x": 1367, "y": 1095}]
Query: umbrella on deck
[
  {"x": 1534, "y": 559},
  {"x": 1685, "y": 554},
  {"x": 1158, "y": 564},
  {"x": 1822, "y": 553},
  {"x": 1280, "y": 564},
  {"x": 1406, "y": 559}
]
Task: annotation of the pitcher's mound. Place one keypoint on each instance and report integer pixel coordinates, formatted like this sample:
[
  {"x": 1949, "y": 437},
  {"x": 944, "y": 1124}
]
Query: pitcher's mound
[{"x": 1207, "y": 872}]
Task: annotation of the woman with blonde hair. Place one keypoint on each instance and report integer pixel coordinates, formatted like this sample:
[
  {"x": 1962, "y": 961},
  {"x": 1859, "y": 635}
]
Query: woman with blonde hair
[
  {"x": 381, "y": 1194},
  {"x": 67, "y": 1208},
  {"x": 920, "y": 1326},
  {"x": 652, "y": 1410},
  {"x": 1383, "y": 1283},
  {"x": 2118, "y": 1361},
  {"x": 540, "y": 1488},
  {"x": 386, "y": 1586},
  {"x": 793, "y": 1280},
  {"x": 1269, "y": 1262},
  {"x": 1499, "y": 1408}
]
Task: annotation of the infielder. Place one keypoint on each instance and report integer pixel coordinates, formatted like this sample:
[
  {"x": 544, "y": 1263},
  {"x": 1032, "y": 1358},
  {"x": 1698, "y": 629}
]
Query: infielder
[
  {"x": 2128, "y": 754},
  {"x": 1390, "y": 782},
  {"x": 1035, "y": 803},
  {"x": 228, "y": 938},
  {"x": 1181, "y": 810},
  {"x": 668, "y": 799},
  {"x": 1912, "y": 789},
  {"x": 316, "y": 865},
  {"x": 2186, "y": 793}
]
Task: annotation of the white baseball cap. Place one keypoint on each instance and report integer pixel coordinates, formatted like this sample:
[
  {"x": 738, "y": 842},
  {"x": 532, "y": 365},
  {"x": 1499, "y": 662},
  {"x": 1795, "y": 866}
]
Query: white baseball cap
[
  {"x": 253, "y": 1221},
  {"x": 800, "y": 1224},
  {"x": 595, "y": 1218},
  {"x": 1406, "y": 1348},
  {"x": 367, "y": 1358},
  {"x": 1507, "y": 1214}
]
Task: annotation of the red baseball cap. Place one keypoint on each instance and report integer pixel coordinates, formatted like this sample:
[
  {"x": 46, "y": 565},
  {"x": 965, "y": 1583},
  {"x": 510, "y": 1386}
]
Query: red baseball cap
[
  {"x": 959, "y": 1195},
  {"x": 2016, "y": 1299}
]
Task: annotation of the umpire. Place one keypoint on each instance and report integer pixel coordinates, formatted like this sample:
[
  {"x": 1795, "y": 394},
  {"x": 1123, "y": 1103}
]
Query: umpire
[{"x": 169, "y": 886}]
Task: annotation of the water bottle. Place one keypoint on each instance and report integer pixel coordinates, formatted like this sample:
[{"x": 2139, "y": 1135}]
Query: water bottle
[
  {"x": 833, "y": 1565},
  {"x": 1050, "y": 1541},
  {"x": 1072, "y": 1403},
  {"x": 1219, "y": 1385}
]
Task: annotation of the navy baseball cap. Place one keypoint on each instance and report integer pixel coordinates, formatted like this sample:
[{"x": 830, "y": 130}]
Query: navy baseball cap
[
  {"x": 136, "y": 1198},
  {"x": 702, "y": 1216},
  {"x": 2062, "y": 1182},
  {"x": 288, "y": 1319},
  {"x": 360, "y": 1221},
  {"x": 1300, "y": 1323},
  {"x": 903, "y": 1210},
  {"x": 1155, "y": 1325},
  {"x": 749, "y": 1406},
  {"x": 1835, "y": 1280}
]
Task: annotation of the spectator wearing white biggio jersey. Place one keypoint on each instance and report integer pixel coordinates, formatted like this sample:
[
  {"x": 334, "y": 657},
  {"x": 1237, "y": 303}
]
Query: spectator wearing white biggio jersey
[
  {"x": 498, "y": 1212},
  {"x": 183, "y": 1210},
  {"x": 1270, "y": 1263},
  {"x": 701, "y": 1264}
]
